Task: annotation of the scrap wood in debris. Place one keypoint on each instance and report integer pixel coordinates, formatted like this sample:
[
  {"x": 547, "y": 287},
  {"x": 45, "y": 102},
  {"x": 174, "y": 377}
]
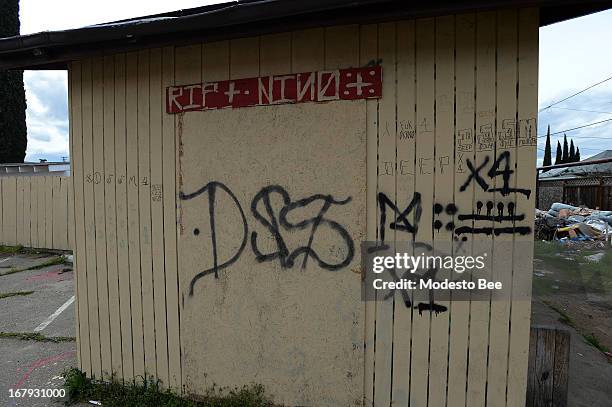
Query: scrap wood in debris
[
  {"x": 600, "y": 225},
  {"x": 580, "y": 231},
  {"x": 561, "y": 210},
  {"x": 567, "y": 222}
]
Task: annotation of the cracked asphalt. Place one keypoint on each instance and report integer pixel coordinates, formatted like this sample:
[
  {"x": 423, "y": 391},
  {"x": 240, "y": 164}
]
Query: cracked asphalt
[{"x": 30, "y": 364}]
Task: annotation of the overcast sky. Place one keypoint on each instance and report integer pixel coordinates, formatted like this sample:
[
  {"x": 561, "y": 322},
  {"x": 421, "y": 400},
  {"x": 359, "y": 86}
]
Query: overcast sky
[{"x": 572, "y": 57}]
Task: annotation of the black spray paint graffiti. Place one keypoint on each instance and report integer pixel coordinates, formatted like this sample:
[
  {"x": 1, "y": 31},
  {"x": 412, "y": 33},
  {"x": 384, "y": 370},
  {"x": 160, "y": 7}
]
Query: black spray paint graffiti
[
  {"x": 211, "y": 189},
  {"x": 401, "y": 221},
  {"x": 287, "y": 258},
  {"x": 502, "y": 215},
  {"x": 494, "y": 171},
  {"x": 491, "y": 216},
  {"x": 408, "y": 219},
  {"x": 431, "y": 273},
  {"x": 275, "y": 224}
]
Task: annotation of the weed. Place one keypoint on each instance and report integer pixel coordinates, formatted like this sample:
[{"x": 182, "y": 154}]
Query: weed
[
  {"x": 15, "y": 294},
  {"x": 11, "y": 249},
  {"x": 38, "y": 337},
  {"x": 51, "y": 262},
  {"x": 78, "y": 386},
  {"x": 564, "y": 318},
  {"x": 149, "y": 392},
  {"x": 12, "y": 271},
  {"x": 593, "y": 341}
]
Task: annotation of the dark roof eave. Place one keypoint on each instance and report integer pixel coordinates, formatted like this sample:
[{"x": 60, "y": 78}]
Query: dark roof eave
[{"x": 53, "y": 50}]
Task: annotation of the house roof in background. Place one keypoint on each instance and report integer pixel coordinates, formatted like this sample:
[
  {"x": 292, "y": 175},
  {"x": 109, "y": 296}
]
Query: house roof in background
[
  {"x": 601, "y": 156},
  {"x": 587, "y": 170},
  {"x": 54, "y": 49}
]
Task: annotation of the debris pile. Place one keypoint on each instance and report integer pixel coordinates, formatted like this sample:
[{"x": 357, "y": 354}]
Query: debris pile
[{"x": 572, "y": 223}]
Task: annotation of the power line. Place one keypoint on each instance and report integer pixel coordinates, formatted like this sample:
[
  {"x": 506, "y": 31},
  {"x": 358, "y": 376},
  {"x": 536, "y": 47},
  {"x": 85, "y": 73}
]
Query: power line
[
  {"x": 581, "y": 148},
  {"x": 579, "y": 127},
  {"x": 593, "y": 137},
  {"x": 575, "y": 94},
  {"x": 588, "y": 148},
  {"x": 580, "y": 110}
]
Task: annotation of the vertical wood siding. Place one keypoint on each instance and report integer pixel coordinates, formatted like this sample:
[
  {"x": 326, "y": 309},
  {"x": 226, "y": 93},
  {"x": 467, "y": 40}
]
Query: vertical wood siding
[
  {"x": 36, "y": 212},
  {"x": 448, "y": 84}
]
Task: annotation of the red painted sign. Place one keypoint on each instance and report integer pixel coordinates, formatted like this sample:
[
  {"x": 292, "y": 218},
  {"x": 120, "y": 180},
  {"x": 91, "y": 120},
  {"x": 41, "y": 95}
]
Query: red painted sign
[{"x": 321, "y": 86}]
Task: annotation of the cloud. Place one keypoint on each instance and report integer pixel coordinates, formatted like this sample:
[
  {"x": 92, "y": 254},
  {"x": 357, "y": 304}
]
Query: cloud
[
  {"x": 571, "y": 59},
  {"x": 47, "y": 115},
  {"x": 47, "y": 91},
  {"x": 571, "y": 56},
  {"x": 590, "y": 107}
]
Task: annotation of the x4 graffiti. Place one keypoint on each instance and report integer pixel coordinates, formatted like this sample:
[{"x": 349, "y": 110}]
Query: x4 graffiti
[
  {"x": 499, "y": 174},
  {"x": 276, "y": 224}
]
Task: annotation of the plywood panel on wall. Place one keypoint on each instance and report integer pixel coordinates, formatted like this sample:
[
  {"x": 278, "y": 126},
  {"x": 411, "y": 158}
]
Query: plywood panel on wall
[
  {"x": 459, "y": 95},
  {"x": 273, "y": 314}
]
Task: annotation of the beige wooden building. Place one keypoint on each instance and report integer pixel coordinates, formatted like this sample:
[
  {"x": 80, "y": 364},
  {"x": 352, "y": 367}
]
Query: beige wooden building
[{"x": 217, "y": 234}]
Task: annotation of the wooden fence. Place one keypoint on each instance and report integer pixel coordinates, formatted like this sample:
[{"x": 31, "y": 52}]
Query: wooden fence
[
  {"x": 549, "y": 350},
  {"x": 35, "y": 212}
]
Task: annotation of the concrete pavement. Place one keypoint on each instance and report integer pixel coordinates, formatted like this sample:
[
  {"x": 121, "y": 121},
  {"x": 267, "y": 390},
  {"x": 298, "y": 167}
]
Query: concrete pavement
[{"x": 31, "y": 364}]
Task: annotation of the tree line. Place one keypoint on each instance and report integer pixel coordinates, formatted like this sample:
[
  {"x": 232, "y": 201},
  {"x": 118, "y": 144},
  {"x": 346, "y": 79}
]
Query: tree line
[
  {"x": 13, "y": 133},
  {"x": 565, "y": 154}
]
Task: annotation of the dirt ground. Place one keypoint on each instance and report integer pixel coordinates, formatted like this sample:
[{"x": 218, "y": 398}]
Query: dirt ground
[
  {"x": 573, "y": 288},
  {"x": 577, "y": 281},
  {"x": 590, "y": 373}
]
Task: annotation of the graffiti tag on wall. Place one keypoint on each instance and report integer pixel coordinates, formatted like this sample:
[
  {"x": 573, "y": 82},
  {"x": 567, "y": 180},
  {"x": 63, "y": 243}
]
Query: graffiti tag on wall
[
  {"x": 276, "y": 223},
  {"x": 321, "y": 86}
]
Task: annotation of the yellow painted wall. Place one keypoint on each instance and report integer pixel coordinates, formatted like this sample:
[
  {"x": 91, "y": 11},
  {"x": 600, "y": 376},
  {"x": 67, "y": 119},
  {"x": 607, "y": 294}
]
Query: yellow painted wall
[
  {"x": 36, "y": 212},
  {"x": 450, "y": 84}
]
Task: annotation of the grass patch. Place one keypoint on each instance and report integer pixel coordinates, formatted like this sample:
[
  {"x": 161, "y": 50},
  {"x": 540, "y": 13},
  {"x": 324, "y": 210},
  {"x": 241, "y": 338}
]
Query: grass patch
[
  {"x": 51, "y": 262},
  {"x": 38, "y": 337},
  {"x": 148, "y": 392},
  {"x": 12, "y": 271},
  {"x": 593, "y": 341},
  {"x": 570, "y": 271},
  {"x": 15, "y": 294},
  {"x": 564, "y": 318},
  {"x": 11, "y": 249}
]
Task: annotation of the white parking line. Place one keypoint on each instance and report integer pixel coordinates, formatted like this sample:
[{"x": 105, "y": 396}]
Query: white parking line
[{"x": 54, "y": 315}]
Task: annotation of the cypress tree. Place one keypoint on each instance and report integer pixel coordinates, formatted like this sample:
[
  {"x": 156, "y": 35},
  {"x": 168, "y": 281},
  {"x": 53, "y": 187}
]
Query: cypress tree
[
  {"x": 558, "y": 157},
  {"x": 572, "y": 152},
  {"x": 547, "y": 150},
  {"x": 565, "y": 156},
  {"x": 577, "y": 154},
  {"x": 13, "y": 133}
]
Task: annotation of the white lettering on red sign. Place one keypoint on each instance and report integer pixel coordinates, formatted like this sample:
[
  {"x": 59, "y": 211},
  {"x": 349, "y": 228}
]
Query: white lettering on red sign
[{"x": 322, "y": 86}]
